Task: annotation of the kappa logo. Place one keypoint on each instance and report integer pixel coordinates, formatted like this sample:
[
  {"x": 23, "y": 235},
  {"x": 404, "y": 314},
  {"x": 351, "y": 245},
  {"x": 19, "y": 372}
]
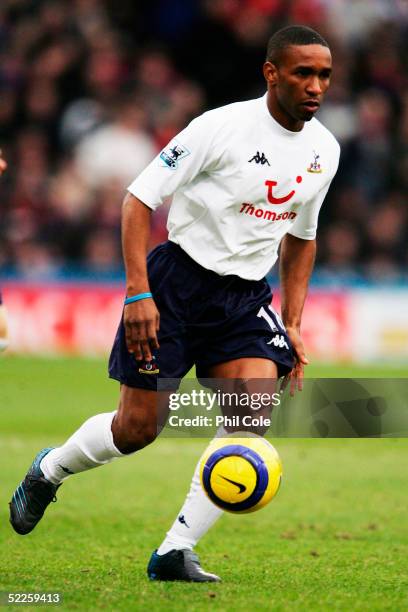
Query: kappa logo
[
  {"x": 182, "y": 520},
  {"x": 149, "y": 367},
  {"x": 315, "y": 167},
  {"x": 279, "y": 341},
  {"x": 259, "y": 159},
  {"x": 171, "y": 156}
]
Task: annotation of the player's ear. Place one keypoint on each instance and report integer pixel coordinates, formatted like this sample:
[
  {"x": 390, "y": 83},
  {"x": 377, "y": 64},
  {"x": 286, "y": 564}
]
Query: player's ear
[{"x": 270, "y": 72}]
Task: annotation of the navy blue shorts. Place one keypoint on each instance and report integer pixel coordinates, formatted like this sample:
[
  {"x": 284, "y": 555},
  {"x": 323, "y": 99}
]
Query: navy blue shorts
[{"x": 205, "y": 319}]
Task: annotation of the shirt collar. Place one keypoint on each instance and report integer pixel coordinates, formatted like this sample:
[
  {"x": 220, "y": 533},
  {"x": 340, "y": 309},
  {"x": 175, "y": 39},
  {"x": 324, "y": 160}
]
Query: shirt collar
[{"x": 275, "y": 125}]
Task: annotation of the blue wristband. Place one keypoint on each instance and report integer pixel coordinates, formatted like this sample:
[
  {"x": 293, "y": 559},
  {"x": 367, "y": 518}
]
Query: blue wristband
[{"x": 136, "y": 298}]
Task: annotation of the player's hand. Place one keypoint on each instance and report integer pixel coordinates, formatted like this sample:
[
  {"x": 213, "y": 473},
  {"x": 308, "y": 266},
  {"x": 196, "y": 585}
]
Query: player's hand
[
  {"x": 3, "y": 163},
  {"x": 141, "y": 320},
  {"x": 296, "y": 375}
]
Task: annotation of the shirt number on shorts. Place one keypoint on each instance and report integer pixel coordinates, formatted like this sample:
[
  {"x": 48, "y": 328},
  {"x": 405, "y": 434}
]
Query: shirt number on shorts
[{"x": 262, "y": 314}]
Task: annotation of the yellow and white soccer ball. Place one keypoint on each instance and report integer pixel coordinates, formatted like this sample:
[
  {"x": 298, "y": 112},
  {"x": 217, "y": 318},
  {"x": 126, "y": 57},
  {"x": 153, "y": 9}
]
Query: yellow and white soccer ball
[{"x": 240, "y": 474}]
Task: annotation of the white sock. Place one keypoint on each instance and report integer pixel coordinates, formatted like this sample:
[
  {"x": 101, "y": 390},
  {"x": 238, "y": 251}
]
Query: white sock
[
  {"x": 196, "y": 516},
  {"x": 90, "y": 446}
]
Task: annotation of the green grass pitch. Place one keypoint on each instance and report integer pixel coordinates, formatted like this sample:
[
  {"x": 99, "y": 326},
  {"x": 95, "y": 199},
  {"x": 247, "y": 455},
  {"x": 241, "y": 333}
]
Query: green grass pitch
[{"x": 335, "y": 538}]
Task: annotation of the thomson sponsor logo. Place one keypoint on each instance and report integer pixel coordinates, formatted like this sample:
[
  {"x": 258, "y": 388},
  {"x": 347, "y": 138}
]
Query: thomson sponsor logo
[{"x": 268, "y": 215}]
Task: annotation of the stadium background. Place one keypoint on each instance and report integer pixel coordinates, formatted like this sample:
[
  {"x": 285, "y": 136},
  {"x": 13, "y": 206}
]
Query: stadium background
[{"x": 91, "y": 90}]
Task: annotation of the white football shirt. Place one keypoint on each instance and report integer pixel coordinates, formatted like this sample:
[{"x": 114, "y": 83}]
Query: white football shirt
[{"x": 240, "y": 181}]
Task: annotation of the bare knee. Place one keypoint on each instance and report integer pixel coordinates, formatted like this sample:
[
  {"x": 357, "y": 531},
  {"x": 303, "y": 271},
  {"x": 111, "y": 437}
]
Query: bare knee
[{"x": 135, "y": 423}]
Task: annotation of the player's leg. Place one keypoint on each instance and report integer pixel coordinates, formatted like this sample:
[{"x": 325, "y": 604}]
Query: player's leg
[
  {"x": 245, "y": 368},
  {"x": 106, "y": 436},
  {"x": 236, "y": 335},
  {"x": 198, "y": 514},
  {"x": 99, "y": 440},
  {"x": 251, "y": 377}
]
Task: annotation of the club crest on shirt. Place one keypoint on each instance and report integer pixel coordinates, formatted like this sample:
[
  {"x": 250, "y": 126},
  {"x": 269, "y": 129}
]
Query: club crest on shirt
[
  {"x": 170, "y": 157},
  {"x": 149, "y": 367},
  {"x": 315, "y": 167}
]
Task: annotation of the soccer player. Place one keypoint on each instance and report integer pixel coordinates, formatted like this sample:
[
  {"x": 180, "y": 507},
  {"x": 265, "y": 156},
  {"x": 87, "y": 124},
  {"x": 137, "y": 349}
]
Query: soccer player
[
  {"x": 246, "y": 178},
  {"x": 4, "y": 342},
  {"x": 3, "y": 315}
]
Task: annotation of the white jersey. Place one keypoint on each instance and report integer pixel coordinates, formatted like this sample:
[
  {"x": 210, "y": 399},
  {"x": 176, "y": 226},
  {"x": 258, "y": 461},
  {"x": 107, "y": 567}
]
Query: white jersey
[{"x": 240, "y": 181}]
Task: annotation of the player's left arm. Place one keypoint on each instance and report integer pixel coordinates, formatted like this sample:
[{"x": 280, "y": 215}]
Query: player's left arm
[
  {"x": 3, "y": 163},
  {"x": 297, "y": 258}
]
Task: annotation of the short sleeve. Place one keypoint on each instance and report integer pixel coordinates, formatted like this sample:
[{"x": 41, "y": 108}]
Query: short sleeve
[
  {"x": 305, "y": 226},
  {"x": 180, "y": 162}
]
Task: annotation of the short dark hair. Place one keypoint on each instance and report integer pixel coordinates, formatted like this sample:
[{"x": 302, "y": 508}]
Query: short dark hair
[{"x": 292, "y": 35}]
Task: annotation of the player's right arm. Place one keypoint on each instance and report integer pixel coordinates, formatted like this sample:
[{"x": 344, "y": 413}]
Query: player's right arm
[
  {"x": 141, "y": 319},
  {"x": 188, "y": 154}
]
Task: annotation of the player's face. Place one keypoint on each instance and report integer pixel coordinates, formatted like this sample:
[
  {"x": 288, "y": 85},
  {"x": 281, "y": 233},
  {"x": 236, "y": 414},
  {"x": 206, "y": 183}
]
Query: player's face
[{"x": 298, "y": 84}]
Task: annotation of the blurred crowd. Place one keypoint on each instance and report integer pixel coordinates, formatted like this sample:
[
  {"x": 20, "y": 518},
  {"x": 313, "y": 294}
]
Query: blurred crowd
[{"x": 91, "y": 90}]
